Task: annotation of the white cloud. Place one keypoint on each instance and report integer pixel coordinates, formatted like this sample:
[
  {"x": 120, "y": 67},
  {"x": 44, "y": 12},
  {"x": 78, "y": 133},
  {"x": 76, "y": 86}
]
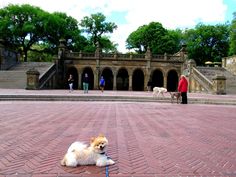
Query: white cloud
[{"x": 172, "y": 14}]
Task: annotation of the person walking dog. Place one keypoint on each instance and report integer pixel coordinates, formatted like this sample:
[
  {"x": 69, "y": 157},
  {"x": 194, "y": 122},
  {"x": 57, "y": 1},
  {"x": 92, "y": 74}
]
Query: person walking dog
[{"x": 183, "y": 89}]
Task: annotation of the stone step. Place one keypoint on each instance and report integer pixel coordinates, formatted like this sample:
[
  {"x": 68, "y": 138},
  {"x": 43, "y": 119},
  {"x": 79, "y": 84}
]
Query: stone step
[
  {"x": 15, "y": 77},
  {"x": 117, "y": 98}
]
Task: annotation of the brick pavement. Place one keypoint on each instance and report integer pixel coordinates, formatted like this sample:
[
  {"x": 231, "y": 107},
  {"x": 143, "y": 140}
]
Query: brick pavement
[{"x": 146, "y": 139}]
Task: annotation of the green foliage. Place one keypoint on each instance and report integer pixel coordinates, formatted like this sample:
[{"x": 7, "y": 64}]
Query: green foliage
[
  {"x": 23, "y": 26},
  {"x": 207, "y": 42},
  {"x": 232, "y": 50},
  {"x": 96, "y": 26},
  {"x": 154, "y": 35},
  {"x": 37, "y": 53}
]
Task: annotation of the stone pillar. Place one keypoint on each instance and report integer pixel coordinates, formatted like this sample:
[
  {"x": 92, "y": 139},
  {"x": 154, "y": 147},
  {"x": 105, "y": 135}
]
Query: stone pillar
[
  {"x": 146, "y": 80},
  {"x": 60, "y": 64},
  {"x": 219, "y": 85},
  {"x": 80, "y": 80},
  {"x": 189, "y": 72},
  {"x": 1, "y": 54},
  {"x": 114, "y": 79},
  {"x": 148, "y": 54},
  {"x": 32, "y": 79},
  {"x": 97, "y": 76},
  {"x": 130, "y": 82},
  {"x": 165, "y": 80}
]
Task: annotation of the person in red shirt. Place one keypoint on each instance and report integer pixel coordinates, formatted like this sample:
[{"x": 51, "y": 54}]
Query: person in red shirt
[{"x": 183, "y": 89}]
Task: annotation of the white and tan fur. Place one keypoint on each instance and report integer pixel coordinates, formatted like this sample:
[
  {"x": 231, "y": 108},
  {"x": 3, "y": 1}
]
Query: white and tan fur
[
  {"x": 81, "y": 154},
  {"x": 175, "y": 95},
  {"x": 159, "y": 90}
]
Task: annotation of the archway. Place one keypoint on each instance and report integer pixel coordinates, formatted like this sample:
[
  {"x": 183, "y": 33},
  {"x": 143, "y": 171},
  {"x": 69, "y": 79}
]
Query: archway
[
  {"x": 157, "y": 78},
  {"x": 138, "y": 80},
  {"x": 172, "y": 81},
  {"x": 122, "y": 80},
  {"x": 73, "y": 71},
  {"x": 89, "y": 71},
  {"x": 108, "y": 76}
]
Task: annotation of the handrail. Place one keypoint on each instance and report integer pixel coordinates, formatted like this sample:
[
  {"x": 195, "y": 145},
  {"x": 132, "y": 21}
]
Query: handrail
[
  {"x": 206, "y": 83},
  {"x": 47, "y": 76},
  {"x": 92, "y": 56}
]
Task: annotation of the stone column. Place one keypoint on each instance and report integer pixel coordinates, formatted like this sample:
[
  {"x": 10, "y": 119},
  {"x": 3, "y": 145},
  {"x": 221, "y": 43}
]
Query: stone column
[
  {"x": 191, "y": 64},
  {"x": 1, "y": 54},
  {"x": 130, "y": 82},
  {"x": 219, "y": 85},
  {"x": 165, "y": 80},
  {"x": 114, "y": 79},
  {"x": 97, "y": 76},
  {"x": 32, "y": 79},
  {"x": 80, "y": 80}
]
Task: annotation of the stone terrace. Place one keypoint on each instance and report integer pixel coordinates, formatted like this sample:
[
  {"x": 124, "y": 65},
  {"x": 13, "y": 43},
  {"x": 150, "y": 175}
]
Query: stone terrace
[{"x": 146, "y": 139}]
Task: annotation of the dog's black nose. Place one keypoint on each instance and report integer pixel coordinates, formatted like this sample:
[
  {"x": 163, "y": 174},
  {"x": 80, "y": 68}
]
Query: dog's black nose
[{"x": 101, "y": 147}]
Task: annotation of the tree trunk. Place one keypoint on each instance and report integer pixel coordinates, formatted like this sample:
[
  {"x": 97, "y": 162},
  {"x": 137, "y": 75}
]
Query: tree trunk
[{"x": 25, "y": 55}]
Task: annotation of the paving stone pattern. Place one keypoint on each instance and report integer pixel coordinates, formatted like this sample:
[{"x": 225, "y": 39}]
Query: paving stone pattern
[{"x": 145, "y": 139}]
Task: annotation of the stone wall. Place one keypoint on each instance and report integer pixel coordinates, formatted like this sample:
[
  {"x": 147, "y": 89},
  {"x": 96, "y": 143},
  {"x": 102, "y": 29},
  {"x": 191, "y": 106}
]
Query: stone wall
[{"x": 230, "y": 63}]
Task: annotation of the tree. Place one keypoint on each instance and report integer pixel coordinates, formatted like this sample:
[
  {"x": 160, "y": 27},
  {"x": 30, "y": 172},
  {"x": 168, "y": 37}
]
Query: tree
[
  {"x": 232, "y": 50},
  {"x": 207, "y": 42},
  {"x": 155, "y": 36},
  {"x": 96, "y": 26},
  {"x": 60, "y": 26},
  {"x": 22, "y": 26}
]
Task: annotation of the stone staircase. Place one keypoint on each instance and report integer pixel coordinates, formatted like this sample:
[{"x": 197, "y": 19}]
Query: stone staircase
[
  {"x": 15, "y": 77},
  {"x": 210, "y": 72}
]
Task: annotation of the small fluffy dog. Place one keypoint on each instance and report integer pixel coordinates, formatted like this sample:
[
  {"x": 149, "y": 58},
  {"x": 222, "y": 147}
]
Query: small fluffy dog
[
  {"x": 80, "y": 154},
  {"x": 158, "y": 90},
  {"x": 175, "y": 95}
]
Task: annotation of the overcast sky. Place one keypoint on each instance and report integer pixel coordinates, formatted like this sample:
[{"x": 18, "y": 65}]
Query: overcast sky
[{"x": 128, "y": 15}]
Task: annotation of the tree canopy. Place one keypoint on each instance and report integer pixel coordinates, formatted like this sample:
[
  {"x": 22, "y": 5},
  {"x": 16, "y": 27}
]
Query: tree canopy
[
  {"x": 232, "y": 50},
  {"x": 96, "y": 27},
  {"x": 28, "y": 28},
  {"x": 207, "y": 42},
  {"x": 155, "y": 36},
  {"x": 23, "y": 26}
]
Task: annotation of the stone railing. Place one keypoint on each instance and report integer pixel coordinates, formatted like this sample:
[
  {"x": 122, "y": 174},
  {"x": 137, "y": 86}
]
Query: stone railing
[
  {"x": 117, "y": 56},
  {"x": 205, "y": 83},
  {"x": 46, "y": 79},
  {"x": 36, "y": 81}
]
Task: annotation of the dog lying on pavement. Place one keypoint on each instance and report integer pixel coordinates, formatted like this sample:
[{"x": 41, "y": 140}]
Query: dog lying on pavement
[{"x": 175, "y": 95}]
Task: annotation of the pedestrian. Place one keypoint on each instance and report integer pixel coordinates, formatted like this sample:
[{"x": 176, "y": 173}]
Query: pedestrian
[
  {"x": 70, "y": 82},
  {"x": 85, "y": 83},
  {"x": 102, "y": 83},
  {"x": 149, "y": 86},
  {"x": 183, "y": 88}
]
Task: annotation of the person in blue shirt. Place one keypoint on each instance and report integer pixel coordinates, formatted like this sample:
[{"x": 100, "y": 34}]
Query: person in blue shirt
[{"x": 102, "y": 83}]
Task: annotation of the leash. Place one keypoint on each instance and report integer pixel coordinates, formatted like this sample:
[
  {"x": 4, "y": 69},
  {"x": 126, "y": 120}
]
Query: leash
[
  {"x": 107, "y": 171},
  {"x": 107, "y": 166}
]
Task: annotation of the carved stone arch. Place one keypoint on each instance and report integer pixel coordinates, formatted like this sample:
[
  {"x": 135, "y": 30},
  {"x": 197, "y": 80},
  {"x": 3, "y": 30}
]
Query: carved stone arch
[
  {"x": 172, "y": 80},
  {"x": 157, "y": 76},
  {"x": 122, "y": 80},
  {"x": 90, "y": 72},
  {"x": 74, "y": 72},
  {"x": 138, "y": 79},
  {"x": 107, "y": 74}
]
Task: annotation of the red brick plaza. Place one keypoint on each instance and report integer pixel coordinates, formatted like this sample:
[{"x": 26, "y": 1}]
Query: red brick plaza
[{"x": 146, "y": 139}]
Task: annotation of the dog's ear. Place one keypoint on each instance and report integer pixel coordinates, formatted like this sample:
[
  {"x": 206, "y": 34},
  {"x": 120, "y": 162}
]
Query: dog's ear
[
  {"x": 101, "y": 135},
  {"x": 92, "y": 140}
]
